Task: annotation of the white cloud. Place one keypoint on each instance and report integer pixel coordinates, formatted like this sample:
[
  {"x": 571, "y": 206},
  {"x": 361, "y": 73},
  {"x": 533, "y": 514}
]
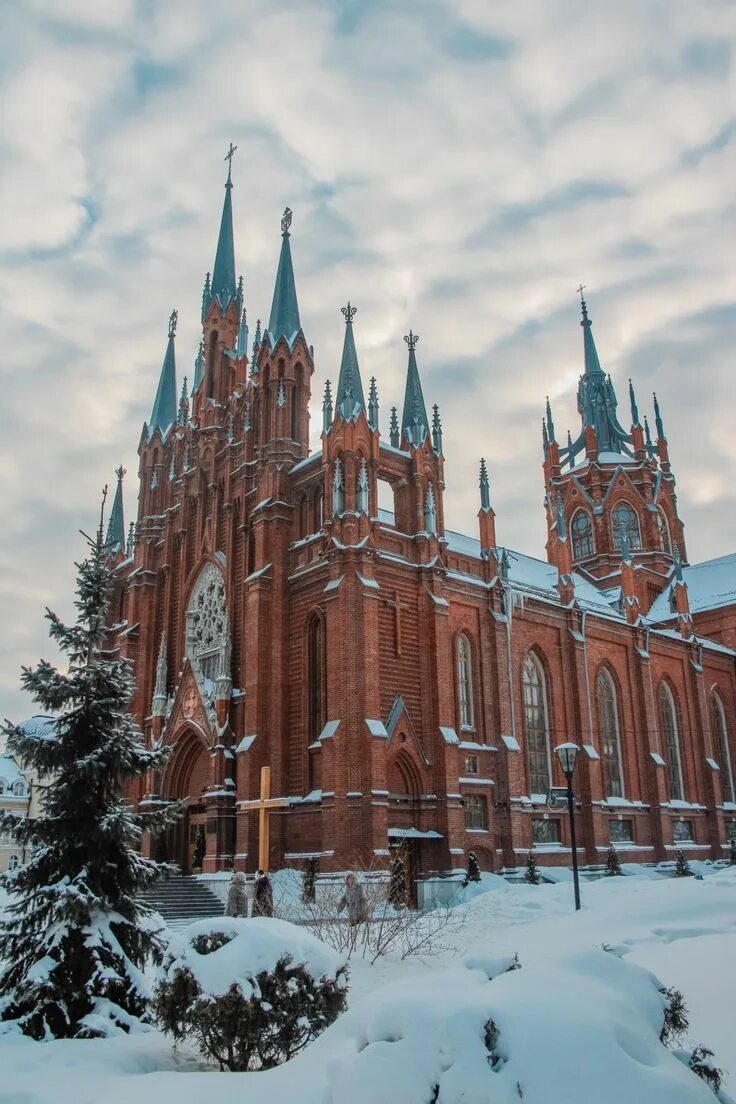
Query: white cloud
[{"x": 454, "y": 167}]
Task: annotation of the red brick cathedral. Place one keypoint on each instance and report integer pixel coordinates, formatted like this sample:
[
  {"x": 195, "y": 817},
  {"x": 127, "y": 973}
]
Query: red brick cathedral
[{"x": 406, "y": 684}]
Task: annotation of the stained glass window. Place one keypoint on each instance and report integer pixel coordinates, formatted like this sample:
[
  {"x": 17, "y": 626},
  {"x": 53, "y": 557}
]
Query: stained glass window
[
  {"x": 625, "y": 524},
  {"x": 535, "y": 725},
  {"x": 582, "y": 536},
  {"x": 670, "y": 741},
  {"x": 610, "y": 736}
]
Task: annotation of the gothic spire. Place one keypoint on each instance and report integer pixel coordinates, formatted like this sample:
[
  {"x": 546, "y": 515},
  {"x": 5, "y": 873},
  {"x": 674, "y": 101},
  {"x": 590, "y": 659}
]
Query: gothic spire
[
  {"x": 223, "y": 286},
  {"x": 394, "y": 436},
  {"x": 116, "y": 527},
  {"x": 373, "y": 404},
  {"x": 163, "y": 414},
  {"x": 198, "y": 368},
  {"x": 634, "y": 407},
  {"x": 485, "y": 490},
  {"x": 592, "y": 363},
  {"x": 414, "y": 420},
  {"x": 436, "y": 430},
  {"x": 550, "y": 423},
  {"x": 327, "y": 408},
  {"x": 658, "y": 420},
  {"x": 183, "y": 404},
  {"x": 284, "y": 320},
  {"x": 597, "y": 399},
  {"x": 349, "y": 399}
]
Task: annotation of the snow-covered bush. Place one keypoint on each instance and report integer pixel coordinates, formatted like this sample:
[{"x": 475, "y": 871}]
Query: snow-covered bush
[
  {"x": 251, "y": 994},
  {"x": 613, "y": 865},
  {"x": 398, "y": 889},
  {"x": 309, "y": 876},
  {"x": 682, "y": 866},
  {"x": 473, "y": 874},
  {"x": 75, "y": 937}
]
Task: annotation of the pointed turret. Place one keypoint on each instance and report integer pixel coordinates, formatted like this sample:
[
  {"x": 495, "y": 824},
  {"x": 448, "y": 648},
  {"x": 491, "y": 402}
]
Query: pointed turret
[
  {"x": 658, "y": 421},
  {"x": 130, "y": 546},
  {"x": 198, "y": 368},
  {"x": 373, "y": 404},
  {"x": 597, "y": 402},
  {"x": 647, "y": 435},
  {"x": 349, "y": 400},
  {"x": 160, "y": 698},
  {"x": 485, "y": 489},
  {"x": 550, "y": 423},
  {"x": 436, "y": 430},
  {"x": 327, "y": 408},
  {"x": 414, "y": 420},
  {"x": 284, "y": 320},
  {"x": 223, "y": 285},
  {"x": 183, "y": 418},
  {"x": 592, "y": 363},
  {"x": 393, "y": 430},
  {"x": 545, "y": 436},
  {"x": 115, "y": 541},
  {"x": 163, "y": 414},
  {"x": 634, "y": 407},
  {"x": 486, "y": 515},
  {"x": 242, "y": 346}
]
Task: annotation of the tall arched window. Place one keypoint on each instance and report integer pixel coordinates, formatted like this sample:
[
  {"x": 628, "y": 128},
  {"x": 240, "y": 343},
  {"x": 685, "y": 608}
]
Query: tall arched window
[
  {"x": 720, "y": 746},
  {"x": 610, "y": 734},
  {"x": 670, "y": 741},
  {"x": 536, "y": 727},
  {"x": 582, "y": 535},
  {"x": 316, "y": 677},
  {"x": 625, "y": 523},
  {"x": 318, "y": 510},
  {"x": 663, "y": 529},
  {"x": 465, "y": 682}
]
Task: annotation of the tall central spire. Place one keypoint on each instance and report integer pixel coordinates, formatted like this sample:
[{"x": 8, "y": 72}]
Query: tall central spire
[
  {"x": 349, "y": 399},
  {"x": 592, "y": 363},
  {"x": 597, "y": 399},
  {"x": 115, "y": 540},
  {"x": 223, "y": 285},
  {"x": 414, "y": 420},
  {"x": 284, "y": 320}
]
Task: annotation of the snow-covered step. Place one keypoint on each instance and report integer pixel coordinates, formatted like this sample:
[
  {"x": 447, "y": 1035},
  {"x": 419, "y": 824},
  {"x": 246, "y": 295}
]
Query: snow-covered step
[{"x": 182, "y": 899}]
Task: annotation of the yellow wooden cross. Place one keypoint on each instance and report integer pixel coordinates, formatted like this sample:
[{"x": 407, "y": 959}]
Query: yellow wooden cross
[{"x": 264, "y": 806}]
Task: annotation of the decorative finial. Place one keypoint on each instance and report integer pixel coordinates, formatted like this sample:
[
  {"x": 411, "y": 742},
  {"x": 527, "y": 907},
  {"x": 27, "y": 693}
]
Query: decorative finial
[
  {"x": 229, "y": 159},
  {"x": 634, "y": 407},
  {"x": 581, "y": 289},
  {"x": 172, "y": 322},
  {"x": 349, "y": 313},
  {"x": 286, "y": 220},
  {"x": 411, "y": 340},
  {"x": 550, "y": 423},
  {"x": 121, "y": 471},
  {"x": 485, "y": 492},
  {"x": 394, "y": 428}
]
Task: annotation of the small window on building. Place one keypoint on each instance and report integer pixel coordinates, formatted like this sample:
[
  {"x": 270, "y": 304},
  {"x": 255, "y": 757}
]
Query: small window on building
[
  {"x": 621, "y": 831},
  {"x": 663, "y": 529},
  {"x": 471, "y": 764},
  {"x": 682, "y": 831},
  {"x": 582, "y": 536},
  {"x": 13, "y": 862},
  {"x": 625, "y": 523},
  {"x": 19, "y": 788},
  {"x": 545, "y": 831},
  {"x": 476, "y": 812}
]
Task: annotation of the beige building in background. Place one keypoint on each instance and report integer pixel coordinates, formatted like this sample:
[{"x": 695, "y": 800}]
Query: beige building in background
[{"x": 21, "y": 792}]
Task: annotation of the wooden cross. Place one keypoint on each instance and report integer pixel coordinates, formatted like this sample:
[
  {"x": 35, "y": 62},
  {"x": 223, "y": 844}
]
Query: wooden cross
[{"x": 264, "y": 806}]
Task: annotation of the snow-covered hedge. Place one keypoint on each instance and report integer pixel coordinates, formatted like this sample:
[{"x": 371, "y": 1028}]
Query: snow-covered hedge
[{"x": 250, "y": 993}]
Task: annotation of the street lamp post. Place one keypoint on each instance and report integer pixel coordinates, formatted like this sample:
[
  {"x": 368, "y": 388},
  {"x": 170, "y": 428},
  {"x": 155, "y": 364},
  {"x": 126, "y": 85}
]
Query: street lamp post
[{"x": 567, "y": 755}]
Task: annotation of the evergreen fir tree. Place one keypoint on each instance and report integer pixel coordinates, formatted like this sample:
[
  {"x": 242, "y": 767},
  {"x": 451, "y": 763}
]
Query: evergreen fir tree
[
  {"x": 309, "y": 875},
  {"x": 682, "y": 866},
  {"x": 473, "y": 874},
  {"x": 613, "y": 864},
  {"x": 398, "y": 891},
  {"x": 532, "y": 874},
  {"x": 75, "y": 938}
]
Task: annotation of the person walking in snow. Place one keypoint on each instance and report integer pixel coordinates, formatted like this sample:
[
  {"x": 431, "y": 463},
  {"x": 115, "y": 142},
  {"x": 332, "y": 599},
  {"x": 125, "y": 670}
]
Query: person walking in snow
[
  {"x": 263, "y": 895},
  {"x": 237, "y": 898},
  {"x": 354, "y": 899}
]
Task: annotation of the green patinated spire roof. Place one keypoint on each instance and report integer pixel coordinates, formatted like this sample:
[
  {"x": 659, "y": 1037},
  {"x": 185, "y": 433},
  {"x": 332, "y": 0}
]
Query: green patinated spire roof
[
  {"x": 164, "y": 410},
  {"x": 223, "y": 286},
  {"x": 414, "y": 420},
  {"x": 198, "y": 368},
  {"x": 284, "y": 320},
  {"x": 349, "y": 400},
  {"x": 596, "y": 402},
  {"x": 116, "y": 525}
]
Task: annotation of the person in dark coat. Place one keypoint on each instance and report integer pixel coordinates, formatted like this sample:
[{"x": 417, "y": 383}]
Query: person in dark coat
[
  {"x": 355, "y": 900},
  {"x": 263, "y": 895},
  {"x": 237, "y": 898}
]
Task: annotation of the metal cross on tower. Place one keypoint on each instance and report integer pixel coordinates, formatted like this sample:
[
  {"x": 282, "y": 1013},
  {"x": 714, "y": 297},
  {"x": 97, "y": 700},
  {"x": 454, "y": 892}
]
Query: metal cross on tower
[
  {"x": 229, "y": 159},
  {"x": 286, "y": 220},
  {"x": 349, "y": 313},
  {"x": 411, "y": 339}
]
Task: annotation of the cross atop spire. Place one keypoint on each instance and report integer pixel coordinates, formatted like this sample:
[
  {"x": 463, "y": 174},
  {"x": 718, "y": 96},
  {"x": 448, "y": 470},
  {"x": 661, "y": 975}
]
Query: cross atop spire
[
  {"x": 286, "y": 220},
  {"x": 349, "y": 313},
  {"x": 229, "y": 159},
  {"x": 173, "y": 319},
  {"x": 410, "y": 339}
]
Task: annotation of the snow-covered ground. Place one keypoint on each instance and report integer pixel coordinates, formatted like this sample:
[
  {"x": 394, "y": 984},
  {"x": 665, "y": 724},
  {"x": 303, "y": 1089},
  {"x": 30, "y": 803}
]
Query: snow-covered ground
[{"x": 576, "y": 1023}]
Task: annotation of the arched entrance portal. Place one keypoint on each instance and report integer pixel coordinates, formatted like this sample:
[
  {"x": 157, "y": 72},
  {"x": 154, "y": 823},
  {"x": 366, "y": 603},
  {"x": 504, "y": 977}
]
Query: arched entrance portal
[
  {"x": 404, "y": 784},
  {"x": 186, "y": 778}
]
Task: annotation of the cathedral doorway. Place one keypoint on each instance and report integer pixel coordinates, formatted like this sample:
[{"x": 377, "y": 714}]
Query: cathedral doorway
[{"x": 186, "y": 778}]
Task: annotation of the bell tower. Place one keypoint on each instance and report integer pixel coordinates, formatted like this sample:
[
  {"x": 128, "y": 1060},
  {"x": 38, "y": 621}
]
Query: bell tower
[{"x": 612, "y": 490}]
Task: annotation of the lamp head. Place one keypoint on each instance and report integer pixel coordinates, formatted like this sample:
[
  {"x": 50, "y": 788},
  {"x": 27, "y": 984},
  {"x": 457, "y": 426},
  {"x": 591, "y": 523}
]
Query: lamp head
[{"x": 567, "y": 755}]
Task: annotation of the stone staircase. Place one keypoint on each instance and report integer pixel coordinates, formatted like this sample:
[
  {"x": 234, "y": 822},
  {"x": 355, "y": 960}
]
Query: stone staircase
[{"x": 182, "y": 899}]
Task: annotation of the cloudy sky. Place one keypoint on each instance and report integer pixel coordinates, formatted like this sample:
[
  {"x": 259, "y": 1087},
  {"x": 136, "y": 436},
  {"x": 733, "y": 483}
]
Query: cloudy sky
[{"x": 458, "y": 167}]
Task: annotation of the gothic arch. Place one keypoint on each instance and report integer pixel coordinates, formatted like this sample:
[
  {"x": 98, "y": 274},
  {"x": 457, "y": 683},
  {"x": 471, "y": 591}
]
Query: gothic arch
[
  {"x": 403, "y": 769},
  {"x": 190, "y": 750},
  {"x": 536, "y": 718},
  {"x": 668, "y": 713},
  {"x": 583, "y": 538},
  {"x": 316, "y": 673},
  {"x": 721, "y": 749},
  {"x": 625, "y": 519},
  {"x": 465, "y": 674},
  {"x": 607, "y": 700}
]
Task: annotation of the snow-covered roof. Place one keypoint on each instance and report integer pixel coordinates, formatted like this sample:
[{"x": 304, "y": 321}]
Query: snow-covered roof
[
  {"x": 10, "y": 772},
  {"x": 710, "y": 585}
]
